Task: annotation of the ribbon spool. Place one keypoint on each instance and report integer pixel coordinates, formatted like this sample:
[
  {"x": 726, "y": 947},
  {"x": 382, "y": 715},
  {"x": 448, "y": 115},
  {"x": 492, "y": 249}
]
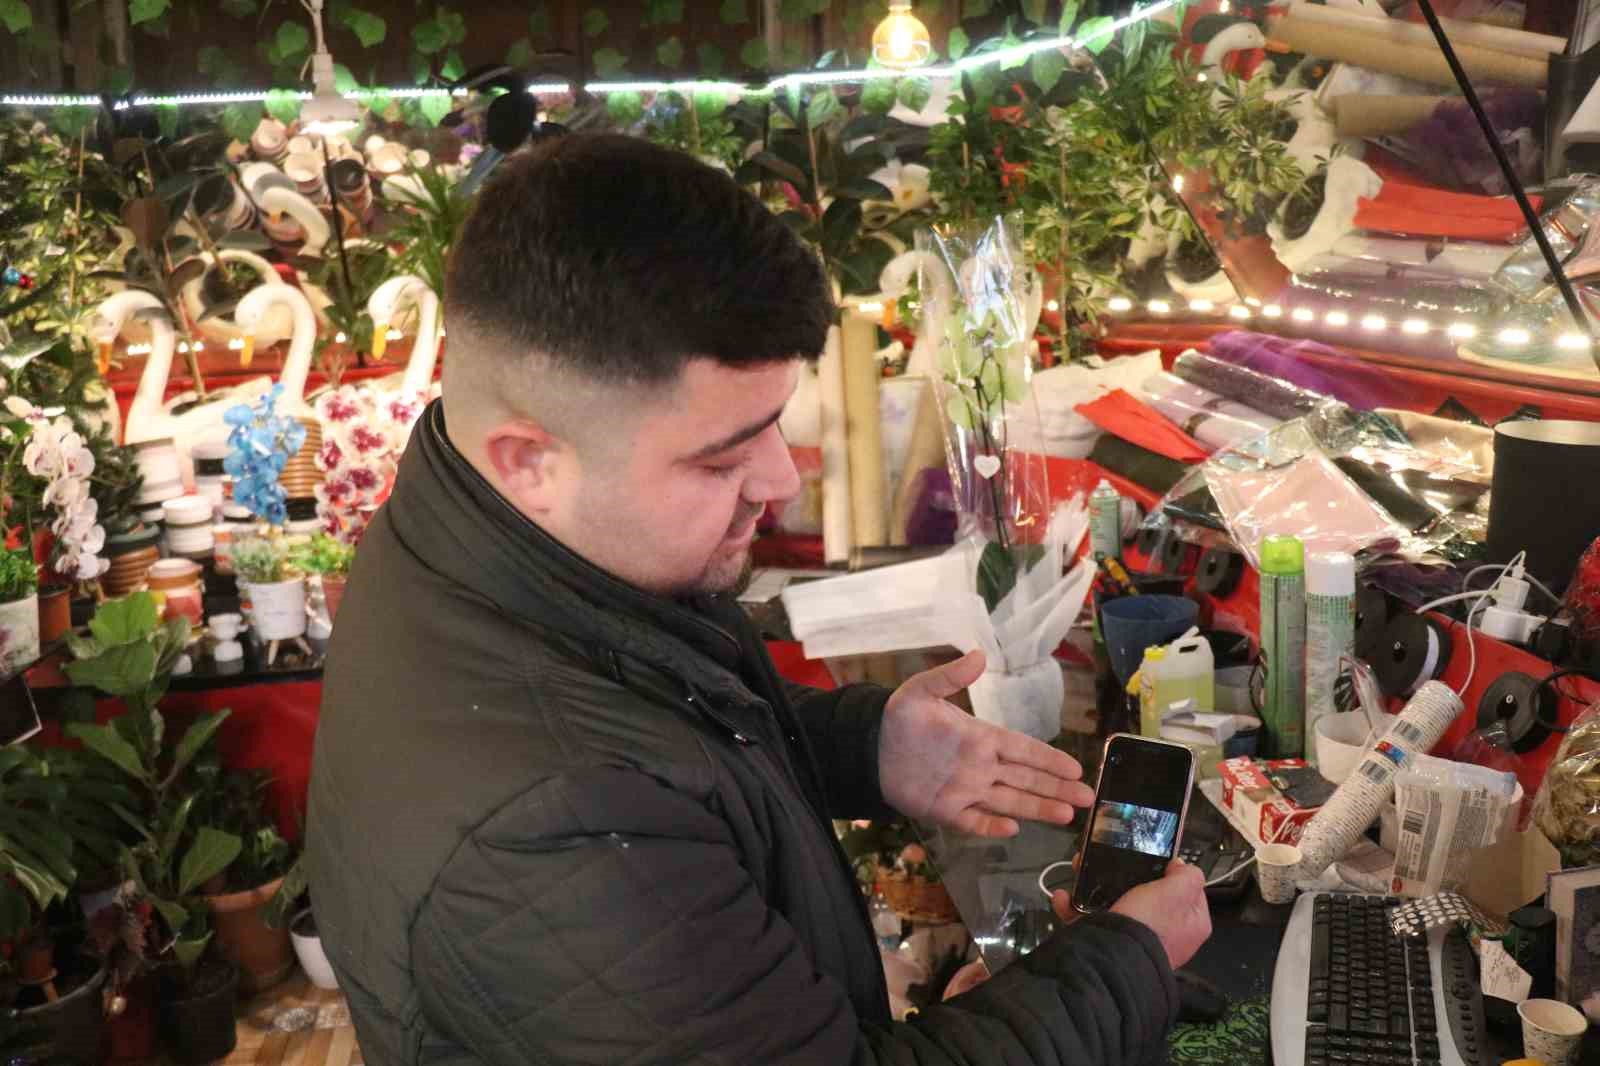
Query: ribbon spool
[
  {"x": 1372, "y": 618},
  {"x": 1524, "y": 705},
  {"x": 1176, "y": 555},
  {"x": 1414, "y": 649},
  {"x": 1219, "y": 572}
]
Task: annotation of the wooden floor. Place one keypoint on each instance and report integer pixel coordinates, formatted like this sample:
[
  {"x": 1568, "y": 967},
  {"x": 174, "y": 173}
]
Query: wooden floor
[{"x": 296, "y": 1024}]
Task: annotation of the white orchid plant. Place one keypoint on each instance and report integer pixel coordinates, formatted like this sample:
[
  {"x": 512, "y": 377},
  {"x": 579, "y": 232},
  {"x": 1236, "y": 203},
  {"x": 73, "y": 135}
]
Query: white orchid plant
[
  {"x": 46, "y": 473},
  {"x": 365, "y": 431}
]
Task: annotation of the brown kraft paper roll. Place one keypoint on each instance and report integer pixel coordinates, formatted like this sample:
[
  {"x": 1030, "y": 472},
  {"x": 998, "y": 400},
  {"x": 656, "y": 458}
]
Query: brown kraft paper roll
[
  {"x": 1377, "y": 51},
  {"x": 869, "y": 511}
]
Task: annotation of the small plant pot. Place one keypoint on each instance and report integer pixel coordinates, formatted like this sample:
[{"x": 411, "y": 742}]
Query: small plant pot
[
  {"x": 19, "y": 627},
  {"x": 278, "y": 610},
  {"x": 36, "y": 961},
  {"x": 55, "y": 614},
  {"x": 197, "y": 1023},
  {"x": 333, "y": 593},
  {"x": 308, "y": 948},
  {"x": 71, "y": 1028},
  {"x": 263, "y": 954}
]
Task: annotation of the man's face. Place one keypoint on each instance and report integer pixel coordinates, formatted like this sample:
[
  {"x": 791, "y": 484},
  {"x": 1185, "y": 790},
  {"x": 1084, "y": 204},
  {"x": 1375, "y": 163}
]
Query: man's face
[{"x": 674, "y": 511}]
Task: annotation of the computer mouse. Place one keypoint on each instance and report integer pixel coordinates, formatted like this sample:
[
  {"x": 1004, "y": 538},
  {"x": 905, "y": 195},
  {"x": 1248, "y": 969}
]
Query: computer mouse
[{"x": 1199, "y": 1001}]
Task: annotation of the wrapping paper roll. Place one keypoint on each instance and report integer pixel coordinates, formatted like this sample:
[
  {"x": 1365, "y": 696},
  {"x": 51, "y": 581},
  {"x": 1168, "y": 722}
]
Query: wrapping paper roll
[
  {"x": 869, "y": 511},
  {"x": 1139, "y": 465},
  {"x": 1358, "y": 802},
  {"x": 1272, "y": 397},
  {"x": 1460, "y": 31},
  {"x": 1377, "y": 114},
  {"x": 925, "y": 450},
  {"x": 1212, "y": 420},
  {"x": 1376, "y": 50},
  {"x": 836, "y": 542}
]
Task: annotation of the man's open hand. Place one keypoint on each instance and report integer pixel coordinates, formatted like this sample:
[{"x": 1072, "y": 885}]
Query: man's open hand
[{"x": 938, "y": 763}]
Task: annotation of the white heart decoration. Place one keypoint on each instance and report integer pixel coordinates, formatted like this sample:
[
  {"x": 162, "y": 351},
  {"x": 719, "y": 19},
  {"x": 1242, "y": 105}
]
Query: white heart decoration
[{"x": 987, "y": 466}]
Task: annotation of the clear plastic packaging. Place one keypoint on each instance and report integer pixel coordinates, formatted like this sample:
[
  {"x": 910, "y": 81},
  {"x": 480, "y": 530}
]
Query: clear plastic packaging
[
  {"x": 1212, "y": 420},
  {"x": 1447, "y": 810},
  {"x": 1567, "y": 809}
]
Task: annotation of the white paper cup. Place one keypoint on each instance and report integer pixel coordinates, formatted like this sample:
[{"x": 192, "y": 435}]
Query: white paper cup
[
  {"x": 1275, "y": 871},
  {"x": 1551, "y": 1031},
  {"x": 1341, "y": 741}
]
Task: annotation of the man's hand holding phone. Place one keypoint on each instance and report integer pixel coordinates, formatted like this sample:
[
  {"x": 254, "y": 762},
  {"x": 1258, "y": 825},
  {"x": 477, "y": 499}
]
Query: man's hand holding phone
[{"x": 1173, "y": 907}]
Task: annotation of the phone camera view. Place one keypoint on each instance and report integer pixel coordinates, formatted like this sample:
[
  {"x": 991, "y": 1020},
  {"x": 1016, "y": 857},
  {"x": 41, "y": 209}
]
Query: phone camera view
[{"x": 1135, "y": 828}]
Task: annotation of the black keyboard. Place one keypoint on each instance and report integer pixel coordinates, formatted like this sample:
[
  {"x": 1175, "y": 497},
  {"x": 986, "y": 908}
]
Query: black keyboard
[{"x": 1348, "y": 992}]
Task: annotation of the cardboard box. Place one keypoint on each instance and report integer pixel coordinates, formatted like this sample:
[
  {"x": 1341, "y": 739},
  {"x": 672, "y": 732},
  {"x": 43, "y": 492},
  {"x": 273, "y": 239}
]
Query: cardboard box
[{"x": 1249, "y": 792}]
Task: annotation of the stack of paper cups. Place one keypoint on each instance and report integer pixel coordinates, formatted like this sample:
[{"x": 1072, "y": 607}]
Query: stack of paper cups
[{"x": 1342, "y": 820}]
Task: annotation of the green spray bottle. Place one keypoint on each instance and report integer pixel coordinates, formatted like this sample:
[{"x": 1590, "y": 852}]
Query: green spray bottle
[{"x": 1283, "y": 646}]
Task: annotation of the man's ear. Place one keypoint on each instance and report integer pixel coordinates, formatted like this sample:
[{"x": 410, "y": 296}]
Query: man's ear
[{"x": 527, "y": 460}]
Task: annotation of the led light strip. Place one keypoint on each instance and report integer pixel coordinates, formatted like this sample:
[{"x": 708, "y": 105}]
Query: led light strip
[
  {"x": 817, "y": 77},
  {"x": 1371, "y": 323}
]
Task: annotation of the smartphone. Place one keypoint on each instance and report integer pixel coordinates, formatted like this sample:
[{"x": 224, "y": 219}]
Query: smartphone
[{"x": 1139, "y": 809}]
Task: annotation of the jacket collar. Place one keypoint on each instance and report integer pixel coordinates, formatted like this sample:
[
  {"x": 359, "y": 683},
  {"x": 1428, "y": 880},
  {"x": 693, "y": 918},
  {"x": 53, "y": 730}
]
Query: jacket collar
[{"x": 455, "y": 522}]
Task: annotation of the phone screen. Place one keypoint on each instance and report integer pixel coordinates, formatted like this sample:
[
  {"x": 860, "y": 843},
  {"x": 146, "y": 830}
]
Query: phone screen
[{"x": 1137, "y": 818}]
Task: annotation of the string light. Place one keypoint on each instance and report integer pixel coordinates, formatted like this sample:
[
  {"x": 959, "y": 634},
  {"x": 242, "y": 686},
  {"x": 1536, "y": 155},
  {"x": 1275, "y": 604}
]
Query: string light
[
  {"x": 1374, "y": 323},
  {"x": 236, "y": 345},
  {"x": 1272, "y": 311},
  {"x": 1414, "y": 326},
  {"x": 339, "y": 338},
  {"x": 1304, "y": 314},
  {"x": 1002, "y": 57},
  {"x": 1201, "y": 305},
  {"x": 1159, "y": 307},
  {"x": 1573, "y": 341},
  {"x": 1239, "y": 311},
  {"x": 1052, "y": 306},
  {"x": 1515, "y": 335},
  {"x": 1462, "y": 331},
  {"x": 1120, "y": 304},
  {"x": 1337, "y": 318}
]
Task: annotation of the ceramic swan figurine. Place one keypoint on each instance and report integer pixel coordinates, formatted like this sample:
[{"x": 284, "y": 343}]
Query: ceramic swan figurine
[
  {"x": 384, "y": 307},
  {"x": 1240, "y": 37},
  {"x": 277, "y": 196},
  {"x": 220, "y": 327},
  {"x": 253, "y": 310},
  {"x": 149, "y": 418}
]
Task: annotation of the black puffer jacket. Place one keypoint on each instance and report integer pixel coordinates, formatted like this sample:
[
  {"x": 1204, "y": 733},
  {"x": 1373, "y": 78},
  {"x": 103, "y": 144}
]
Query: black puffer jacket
[{"x": 556, "y": 820}]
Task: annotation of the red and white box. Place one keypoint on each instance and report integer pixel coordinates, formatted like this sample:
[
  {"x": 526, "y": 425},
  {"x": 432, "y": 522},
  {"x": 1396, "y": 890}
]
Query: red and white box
[{"x": 1266, "y": 812}]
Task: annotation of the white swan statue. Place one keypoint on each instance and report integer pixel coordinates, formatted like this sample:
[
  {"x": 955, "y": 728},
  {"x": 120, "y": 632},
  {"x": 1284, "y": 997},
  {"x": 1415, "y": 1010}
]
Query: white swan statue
[
  {"x": 384, "y": 307},
  {"x": 253, "y": 310}
]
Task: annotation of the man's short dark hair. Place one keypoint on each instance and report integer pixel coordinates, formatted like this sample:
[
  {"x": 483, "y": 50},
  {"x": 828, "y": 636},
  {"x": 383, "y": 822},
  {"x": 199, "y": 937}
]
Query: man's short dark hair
[{"x": 621, "y": 260}]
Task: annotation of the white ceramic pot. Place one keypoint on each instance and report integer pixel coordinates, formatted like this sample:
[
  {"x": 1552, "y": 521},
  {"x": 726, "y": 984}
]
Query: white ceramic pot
[
  {"x": 313, "y": 960},
  {"x": 278, "y": 610},
  {"x": 19, "y": 628}
]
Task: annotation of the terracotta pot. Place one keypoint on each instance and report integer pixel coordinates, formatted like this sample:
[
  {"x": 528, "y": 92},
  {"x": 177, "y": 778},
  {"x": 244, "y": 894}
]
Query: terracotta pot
[
  {"x": 55, "y": 613},
  {"x": 333, "y": 593},
  {"x": 265, "y": 956},
  {"x": 36, "y": 961}
]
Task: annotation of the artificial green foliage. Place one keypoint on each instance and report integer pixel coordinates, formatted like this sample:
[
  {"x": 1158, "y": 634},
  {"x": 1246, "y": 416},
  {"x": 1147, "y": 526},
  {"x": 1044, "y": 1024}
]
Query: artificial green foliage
[
  {"x": 236, "y": 803},
  {"x": 19, "y": 577},
  {"x": 595, "y": 22},
  {"x": 369, "y": 29},
  {"x": 146, "y": 11},
  {"x": 15, "y": 16},
  {"x": 324, "y": 555},
  {"x": 735, "y": 12},
  {"x": 428, "y": 228},
  {"x": 262, "y": 561}
]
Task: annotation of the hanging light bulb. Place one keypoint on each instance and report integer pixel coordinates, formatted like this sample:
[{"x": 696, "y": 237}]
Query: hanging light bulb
[
  {"x": 327, "y": 112},
  {"x": 901, "y": 40}
]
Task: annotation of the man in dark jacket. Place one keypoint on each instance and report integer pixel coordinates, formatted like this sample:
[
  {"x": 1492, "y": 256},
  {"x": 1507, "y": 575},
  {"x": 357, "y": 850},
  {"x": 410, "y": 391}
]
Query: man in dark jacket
[{"x": 563, "y": 810}]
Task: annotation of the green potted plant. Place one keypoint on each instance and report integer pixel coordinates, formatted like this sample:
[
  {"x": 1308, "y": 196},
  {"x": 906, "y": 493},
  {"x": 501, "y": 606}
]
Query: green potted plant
[
  {"x": 46, "y": 824},
  {"x": 291, "y": 907},
  {"x": 130, "y": 654},
  {"x": 19, "y": 611},
  {"x": 275, "y": 588},
  {"x": 328, "y": 559},
  {"x": 234, "y": 801}
]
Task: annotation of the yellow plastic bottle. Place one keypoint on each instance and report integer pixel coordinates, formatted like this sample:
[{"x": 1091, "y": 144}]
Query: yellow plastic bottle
[{"x": 1182, "y": 670}]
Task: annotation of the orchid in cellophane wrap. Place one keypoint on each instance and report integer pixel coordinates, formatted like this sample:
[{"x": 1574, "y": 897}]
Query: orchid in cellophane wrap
[
  {"x": 983, "y": 304},
  {"x": 987, "y": 300},
  {"x": 365, "y": 431},
  {"x": 260, "y": 445}
]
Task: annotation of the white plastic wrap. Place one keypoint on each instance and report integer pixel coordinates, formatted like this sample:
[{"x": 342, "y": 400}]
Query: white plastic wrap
[
  {"x": 1446, "y": 810},
  {"x": 1210, "y": 419}
]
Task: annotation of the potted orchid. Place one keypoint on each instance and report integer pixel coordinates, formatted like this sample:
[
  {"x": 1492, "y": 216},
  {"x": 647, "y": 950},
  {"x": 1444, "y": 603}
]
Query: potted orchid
[
  {"x": 365, "y": 432},
  {"x": 260, "y": 445}
]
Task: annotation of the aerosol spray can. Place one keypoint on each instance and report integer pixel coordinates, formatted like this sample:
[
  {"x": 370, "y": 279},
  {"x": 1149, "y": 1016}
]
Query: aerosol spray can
[
  {"x": 1105, "y": 521},
  {"x": 1330, "y": 634},
  {"x": 1283, "y": 646}
]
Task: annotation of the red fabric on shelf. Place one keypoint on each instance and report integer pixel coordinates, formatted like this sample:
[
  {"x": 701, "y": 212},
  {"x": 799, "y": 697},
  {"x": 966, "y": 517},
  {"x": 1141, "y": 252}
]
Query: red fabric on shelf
[
  {"x": 1409, "y": 206},
  {"x": 1119, "y": 413}
]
